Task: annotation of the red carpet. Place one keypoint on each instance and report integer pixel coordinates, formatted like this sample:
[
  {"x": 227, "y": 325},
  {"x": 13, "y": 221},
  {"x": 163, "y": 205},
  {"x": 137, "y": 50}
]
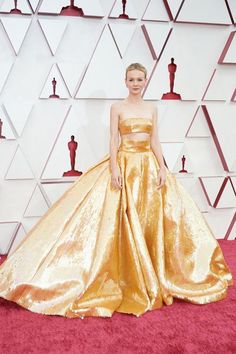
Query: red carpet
[{"x": 182, "y": 328}]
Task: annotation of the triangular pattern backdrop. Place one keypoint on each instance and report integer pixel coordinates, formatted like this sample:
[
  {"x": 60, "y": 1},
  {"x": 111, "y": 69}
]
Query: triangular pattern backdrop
[{"x": 47, "y": 51}]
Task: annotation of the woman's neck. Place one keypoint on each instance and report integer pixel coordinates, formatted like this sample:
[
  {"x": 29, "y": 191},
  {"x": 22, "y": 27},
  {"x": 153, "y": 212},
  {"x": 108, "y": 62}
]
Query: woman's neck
[{"x": 134, "y": 99}]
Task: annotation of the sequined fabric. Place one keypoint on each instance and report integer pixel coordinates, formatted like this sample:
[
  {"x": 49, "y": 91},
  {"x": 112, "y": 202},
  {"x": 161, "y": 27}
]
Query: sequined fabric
[
  {"x": 99, "y": 249},
  {"x": 135, "y": 125}
]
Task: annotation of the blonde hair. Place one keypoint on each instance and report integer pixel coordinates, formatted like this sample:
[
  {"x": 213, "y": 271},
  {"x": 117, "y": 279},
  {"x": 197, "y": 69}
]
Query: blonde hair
[{"x": 136, "y": 66}]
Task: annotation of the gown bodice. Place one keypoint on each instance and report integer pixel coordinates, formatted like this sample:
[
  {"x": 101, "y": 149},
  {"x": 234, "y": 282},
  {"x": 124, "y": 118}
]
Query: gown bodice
[{"x": 135, "y": 125}]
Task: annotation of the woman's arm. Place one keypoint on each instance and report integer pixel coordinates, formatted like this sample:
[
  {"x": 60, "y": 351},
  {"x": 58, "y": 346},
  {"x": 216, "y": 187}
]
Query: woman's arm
[
  {"x": 157, "y": 150},
  {"x": 114, "y": 136},
  {"x": 114, "y": 141},
  {"x": 155, "y": 141}
]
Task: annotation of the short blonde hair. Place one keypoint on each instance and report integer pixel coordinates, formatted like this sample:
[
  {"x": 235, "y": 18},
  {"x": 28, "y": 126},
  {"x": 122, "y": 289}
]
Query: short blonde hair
[{"x": 136, "y": 66}]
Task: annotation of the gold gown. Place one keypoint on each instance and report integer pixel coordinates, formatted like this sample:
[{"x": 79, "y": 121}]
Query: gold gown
[{"x": 99, "y": 249}]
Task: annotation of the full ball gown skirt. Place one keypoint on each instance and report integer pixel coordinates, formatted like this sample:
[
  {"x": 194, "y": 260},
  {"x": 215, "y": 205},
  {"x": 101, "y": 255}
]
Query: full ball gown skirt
[{"x": 99, "y": 249}]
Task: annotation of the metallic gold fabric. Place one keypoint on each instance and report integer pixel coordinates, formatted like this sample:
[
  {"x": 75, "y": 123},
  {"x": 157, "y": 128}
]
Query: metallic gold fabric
[
  {"x": 135, "y": 125},
  {"x": 99, "y": 249}
]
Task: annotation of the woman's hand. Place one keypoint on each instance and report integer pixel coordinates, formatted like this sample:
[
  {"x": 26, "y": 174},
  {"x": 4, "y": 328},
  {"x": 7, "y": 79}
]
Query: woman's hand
[
  {"x": 161, "y": 177},
  {"x": 116, "y": 179}
]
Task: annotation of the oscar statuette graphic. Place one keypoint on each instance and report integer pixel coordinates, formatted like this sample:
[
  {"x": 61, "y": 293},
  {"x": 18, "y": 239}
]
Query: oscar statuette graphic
[
  {"x": 15, "y": 10},
  {"x": 72, "y": 146},
  {"x": 172, "y": 67},
  {"x": 183, "y": 170},
  {"x": 71, "y": 10},
  {"x": 1, "y": 124},
  {"x": 54, "y": 84},
  {"x": 123, "y": 15}
]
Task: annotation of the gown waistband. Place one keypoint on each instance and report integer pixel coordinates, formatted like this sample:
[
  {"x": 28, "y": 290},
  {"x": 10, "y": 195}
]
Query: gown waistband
[{"x": 134, "y": 145}]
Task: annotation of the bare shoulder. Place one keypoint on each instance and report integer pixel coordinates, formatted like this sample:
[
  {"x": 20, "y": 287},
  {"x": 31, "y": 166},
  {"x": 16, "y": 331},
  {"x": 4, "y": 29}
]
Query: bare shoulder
[
  {"x": 115, "y": 108},
  {"x": 151, "y": 106},
  {"x": 116, "y": 105}
]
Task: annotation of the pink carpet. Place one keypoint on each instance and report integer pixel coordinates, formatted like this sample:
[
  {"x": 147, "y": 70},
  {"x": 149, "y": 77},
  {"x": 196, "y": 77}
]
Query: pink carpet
[{"x": 182, "y": 328}]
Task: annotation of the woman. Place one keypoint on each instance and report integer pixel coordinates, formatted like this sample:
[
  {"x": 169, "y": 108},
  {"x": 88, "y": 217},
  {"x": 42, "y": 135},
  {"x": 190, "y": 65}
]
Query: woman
[
  {"x": 135, "y": 81},
  {"x": 125, "y": 237}
]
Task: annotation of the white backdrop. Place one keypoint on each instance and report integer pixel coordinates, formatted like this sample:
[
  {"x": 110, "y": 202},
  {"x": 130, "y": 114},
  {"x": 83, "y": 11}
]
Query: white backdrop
[{"x": 88, "y": 57}]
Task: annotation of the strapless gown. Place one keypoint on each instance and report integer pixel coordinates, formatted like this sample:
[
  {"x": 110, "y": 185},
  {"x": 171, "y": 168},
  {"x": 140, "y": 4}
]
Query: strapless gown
[{"x": 99, "y": 249}]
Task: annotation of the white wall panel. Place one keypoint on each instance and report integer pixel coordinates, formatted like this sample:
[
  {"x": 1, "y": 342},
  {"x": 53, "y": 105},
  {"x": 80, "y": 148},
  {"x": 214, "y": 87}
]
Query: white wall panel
[{"x": 204, "y": 11}]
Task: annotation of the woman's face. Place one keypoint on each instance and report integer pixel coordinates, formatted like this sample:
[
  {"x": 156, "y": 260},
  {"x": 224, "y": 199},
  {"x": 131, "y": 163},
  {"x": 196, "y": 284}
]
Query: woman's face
[{"x": 135, "y": 81}]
